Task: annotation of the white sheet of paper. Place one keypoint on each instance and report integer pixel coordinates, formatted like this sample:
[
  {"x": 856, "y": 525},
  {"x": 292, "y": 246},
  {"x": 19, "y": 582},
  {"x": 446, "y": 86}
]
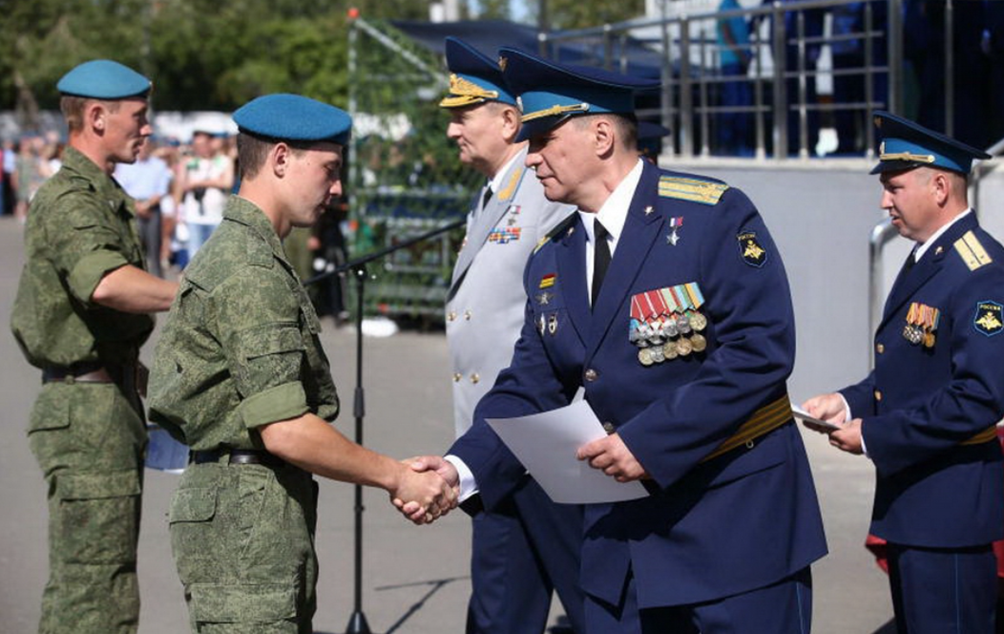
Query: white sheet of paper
[
  {"x": 811, "y": 420},
  {"x": 546, "y": 444}
]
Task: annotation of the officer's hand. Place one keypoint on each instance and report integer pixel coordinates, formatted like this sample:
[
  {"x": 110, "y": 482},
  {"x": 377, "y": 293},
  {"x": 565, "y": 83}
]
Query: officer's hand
[
  {"x": 828, "y": 407},
  {"x": 848, "y": 437},
  {"x": 613, "y": 457}
]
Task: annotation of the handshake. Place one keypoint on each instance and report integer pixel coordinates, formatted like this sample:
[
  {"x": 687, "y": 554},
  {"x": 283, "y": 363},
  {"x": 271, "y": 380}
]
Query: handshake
[{"x": 427, "y": 489}]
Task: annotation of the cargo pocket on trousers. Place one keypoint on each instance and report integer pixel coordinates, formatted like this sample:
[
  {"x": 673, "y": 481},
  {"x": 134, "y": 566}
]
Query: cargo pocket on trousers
[
  {"x": 192, "y": 541},
  {"x": 243, "y": 603},
  {"x": 99, "y": 516}
]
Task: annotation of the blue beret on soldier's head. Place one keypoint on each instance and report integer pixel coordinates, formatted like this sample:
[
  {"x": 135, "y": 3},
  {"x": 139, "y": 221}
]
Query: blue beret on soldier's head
[
  {"x": 103, "y": 79},
  {"x": 474, "y": 77},
  {"x": 906, "y": 145},
  {"x": 285, "y": 117},
  {"x": 549, "y": 93}
]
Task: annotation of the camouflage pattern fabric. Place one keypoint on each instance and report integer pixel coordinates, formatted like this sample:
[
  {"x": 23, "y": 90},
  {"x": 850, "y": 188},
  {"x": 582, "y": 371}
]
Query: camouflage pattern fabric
[
  {"x": 88, "y": 438},
  {"x": 80, "y": 227},
  {"x": 240, "y": 349}
]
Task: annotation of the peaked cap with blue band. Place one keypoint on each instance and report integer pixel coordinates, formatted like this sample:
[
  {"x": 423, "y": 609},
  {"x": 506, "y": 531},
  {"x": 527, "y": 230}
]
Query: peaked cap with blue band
[
  {"x": 474, "y": 77},
  {"x": 906, "y": 145},
  {"x": 285, "y": 117},
  {"x": 550, "y": 93},
  {"x": 103, "y": 79}
]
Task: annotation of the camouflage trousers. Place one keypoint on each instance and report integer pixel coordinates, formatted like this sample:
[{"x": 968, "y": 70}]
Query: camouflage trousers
[
  {"x": 243, "y": 541},
  {"x": 89, "y": 439}
]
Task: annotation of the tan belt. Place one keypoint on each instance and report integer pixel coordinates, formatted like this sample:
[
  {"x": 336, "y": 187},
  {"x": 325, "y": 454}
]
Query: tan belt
[
  {"x": 764, "y": 420},
  {"x": 988, "y": 434}
]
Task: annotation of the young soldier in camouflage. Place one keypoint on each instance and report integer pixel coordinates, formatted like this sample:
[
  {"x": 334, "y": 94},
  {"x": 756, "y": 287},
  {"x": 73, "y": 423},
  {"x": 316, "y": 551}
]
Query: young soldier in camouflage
[
  {"x": 80, "y": 316},
  {"x": 240, "y": 377}
]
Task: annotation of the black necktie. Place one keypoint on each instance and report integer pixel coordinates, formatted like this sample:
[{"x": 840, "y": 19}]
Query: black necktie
[
  {"x": 486, "y": 196},
  {"x": 601, "y": 257}
]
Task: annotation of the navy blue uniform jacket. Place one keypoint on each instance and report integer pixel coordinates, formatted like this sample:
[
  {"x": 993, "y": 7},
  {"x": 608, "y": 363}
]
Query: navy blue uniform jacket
[
  {"x": 714, "y": 528},
  {"x": 920, "y": 403}
]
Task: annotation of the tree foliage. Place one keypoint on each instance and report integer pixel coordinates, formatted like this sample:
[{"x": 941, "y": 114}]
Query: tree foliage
[{"x": 214, "y": 54}]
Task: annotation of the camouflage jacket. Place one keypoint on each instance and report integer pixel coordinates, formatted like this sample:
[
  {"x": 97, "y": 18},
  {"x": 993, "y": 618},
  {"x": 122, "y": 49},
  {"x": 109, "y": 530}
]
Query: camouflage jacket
[
  {"x": 240, "y": 348},
  {"x": 81, "y": 226}
]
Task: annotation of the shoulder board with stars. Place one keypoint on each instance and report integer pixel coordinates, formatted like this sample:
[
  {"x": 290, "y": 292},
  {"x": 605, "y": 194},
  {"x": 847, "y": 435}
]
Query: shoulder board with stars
[
  {"x": 691, "y": 189},
  {"x": 563, "y": 226},
  {"x": 971, "y": 251}
]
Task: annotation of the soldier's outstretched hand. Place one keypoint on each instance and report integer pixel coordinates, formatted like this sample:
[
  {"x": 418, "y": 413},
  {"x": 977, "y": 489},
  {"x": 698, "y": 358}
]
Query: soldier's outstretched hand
[{"x": 425, "y": 491}]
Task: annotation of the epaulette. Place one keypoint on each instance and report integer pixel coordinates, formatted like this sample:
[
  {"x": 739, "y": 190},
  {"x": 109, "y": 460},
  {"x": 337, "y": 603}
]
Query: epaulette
[
  {"x": 259, "y": 253},
  {"x": 691, "y": 189},
  {"x": 560, "y": 228},
  {"x": 971, "y": 251}
]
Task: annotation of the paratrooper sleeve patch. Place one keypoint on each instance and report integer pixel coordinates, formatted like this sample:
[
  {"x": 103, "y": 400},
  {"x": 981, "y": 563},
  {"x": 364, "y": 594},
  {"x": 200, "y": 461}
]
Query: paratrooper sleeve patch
[
  {"x": 750, "y": 249},
  {"x": 988, "y": 318}
]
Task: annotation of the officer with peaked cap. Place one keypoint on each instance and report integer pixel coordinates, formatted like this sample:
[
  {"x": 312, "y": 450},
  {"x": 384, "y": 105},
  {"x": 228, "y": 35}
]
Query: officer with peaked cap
[
  {"x": 528, "y": 546},
  {"x": 240, "y": 377},
  {"x": 663, "y": 301},
  {"x": 81, "y": 314},
  {"x": 926, "y": 414}
]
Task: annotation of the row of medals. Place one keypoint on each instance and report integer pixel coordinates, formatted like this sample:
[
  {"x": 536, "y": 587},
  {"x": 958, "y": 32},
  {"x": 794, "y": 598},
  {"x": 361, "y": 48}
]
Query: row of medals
[
  {"x": 915, "y": 335},
  {"x": 669, "y": 337}
]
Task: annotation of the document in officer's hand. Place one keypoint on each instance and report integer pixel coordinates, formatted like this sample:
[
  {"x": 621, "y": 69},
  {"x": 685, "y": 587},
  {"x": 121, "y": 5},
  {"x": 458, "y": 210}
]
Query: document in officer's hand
[
  {"x": 810, "y": 421},
  {"x": 546, "y": 444}
]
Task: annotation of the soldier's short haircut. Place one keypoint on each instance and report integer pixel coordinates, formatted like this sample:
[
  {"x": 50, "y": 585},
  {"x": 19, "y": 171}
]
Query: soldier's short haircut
[
  {"x": 252, "y": 150},
  {"x": 72, "y": 108}
]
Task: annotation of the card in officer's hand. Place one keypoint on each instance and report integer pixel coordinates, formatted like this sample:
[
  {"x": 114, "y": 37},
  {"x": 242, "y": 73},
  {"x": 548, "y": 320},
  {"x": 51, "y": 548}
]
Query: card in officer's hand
[{"x": 810, "y": 421}]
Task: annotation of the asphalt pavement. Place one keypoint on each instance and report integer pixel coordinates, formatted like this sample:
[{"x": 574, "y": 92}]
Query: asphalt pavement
[{"x": 415, "y": 579}]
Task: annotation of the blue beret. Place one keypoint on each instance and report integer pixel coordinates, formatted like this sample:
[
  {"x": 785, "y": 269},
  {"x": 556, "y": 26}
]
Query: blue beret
[
  {"x": 474, "y": 77},
  {"x": 103, "y": 79},
  {"x": 286, "y": 117},
  {"x": 906, "y": 145},
  {"x": 549, "y": 93}
]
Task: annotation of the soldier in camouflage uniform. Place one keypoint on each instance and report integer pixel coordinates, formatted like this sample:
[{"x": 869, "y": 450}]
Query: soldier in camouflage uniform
[
  {"x": 81, "y": 317},
  {"x": 240, "y": 376}
]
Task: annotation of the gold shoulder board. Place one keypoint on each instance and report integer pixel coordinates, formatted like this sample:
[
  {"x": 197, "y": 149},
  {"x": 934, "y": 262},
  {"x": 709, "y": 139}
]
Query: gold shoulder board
[
  {"x": 971, "y": 251},
  {"x": 691, "y": 189}
]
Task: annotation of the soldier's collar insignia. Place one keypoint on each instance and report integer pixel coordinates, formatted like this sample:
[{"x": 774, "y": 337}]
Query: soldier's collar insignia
[
  {"x": 750, "y": 249},
  {"x": 989, "y": 318}
]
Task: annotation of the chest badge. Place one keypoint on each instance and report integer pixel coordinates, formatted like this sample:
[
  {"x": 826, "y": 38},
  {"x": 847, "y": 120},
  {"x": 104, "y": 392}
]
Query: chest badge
[
  {"x": 544, "y": 298},
  {"x": 674, "y": 235},
  {"x": 989, "y": 318}
]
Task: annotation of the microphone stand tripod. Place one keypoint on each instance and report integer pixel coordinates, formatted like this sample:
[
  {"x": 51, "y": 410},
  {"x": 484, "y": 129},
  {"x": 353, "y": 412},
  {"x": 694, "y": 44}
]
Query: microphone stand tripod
[{"x": 357, "y": 622}]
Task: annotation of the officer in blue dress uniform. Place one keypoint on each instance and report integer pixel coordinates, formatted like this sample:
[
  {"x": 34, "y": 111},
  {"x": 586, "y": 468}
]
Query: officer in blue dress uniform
[
  {"x": 664, "y": 301},
  {"x": 926, "y": 414},
  {"x": 526, "y": 548}
]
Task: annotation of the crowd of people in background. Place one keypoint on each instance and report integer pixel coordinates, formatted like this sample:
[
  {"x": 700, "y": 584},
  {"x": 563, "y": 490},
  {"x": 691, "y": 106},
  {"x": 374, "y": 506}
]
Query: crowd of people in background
[
  {"x": 842, "y": 31},
  {"x": 180, "y": 190}
]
